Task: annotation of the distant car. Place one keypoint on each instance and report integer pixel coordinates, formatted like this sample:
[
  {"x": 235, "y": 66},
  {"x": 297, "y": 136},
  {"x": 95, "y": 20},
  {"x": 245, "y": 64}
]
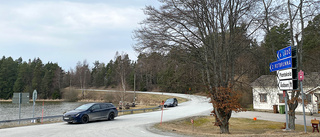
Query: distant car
[
  {"x": 171, "y": 102},
  {"x": 91, "y": 112}
]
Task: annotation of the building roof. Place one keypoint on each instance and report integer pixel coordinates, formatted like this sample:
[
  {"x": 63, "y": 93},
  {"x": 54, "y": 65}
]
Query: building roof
[
  {"x": 313, "y": 90},
  {"x": 310, "y": 80},
  {"x": 265, "y": 81}
]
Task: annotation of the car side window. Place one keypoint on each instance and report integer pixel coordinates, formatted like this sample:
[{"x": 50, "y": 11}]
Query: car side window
[
  {"x": 104, "y": 106},
  {"x": 95, "y": 107}
]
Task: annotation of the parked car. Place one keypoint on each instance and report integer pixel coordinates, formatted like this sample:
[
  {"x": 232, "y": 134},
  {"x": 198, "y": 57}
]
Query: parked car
[
  {"x": 171, "y": 102},
  {"x": 91, "y": 112}
]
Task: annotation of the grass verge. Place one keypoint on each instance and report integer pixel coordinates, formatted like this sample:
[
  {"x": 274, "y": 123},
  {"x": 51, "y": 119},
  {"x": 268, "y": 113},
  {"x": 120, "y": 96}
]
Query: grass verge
[{"x": 203, "y": 126}]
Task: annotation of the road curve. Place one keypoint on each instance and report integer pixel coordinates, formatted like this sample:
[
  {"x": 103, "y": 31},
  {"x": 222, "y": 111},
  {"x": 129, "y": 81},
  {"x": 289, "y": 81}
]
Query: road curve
[{"x": 122, "y": 126}]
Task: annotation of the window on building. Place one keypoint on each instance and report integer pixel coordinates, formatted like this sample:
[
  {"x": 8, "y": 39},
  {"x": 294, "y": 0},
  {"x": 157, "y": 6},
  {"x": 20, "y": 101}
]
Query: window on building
[
  {"x": 308, "y": 97},
  {"x": 263, "y": 97},
  {"x": 281, "y": 98}
]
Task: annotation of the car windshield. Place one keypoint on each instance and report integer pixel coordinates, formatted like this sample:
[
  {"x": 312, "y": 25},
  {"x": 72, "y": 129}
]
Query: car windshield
[
  {"x": 84, "y": 107},
  {"x": 169, "y": 100}
]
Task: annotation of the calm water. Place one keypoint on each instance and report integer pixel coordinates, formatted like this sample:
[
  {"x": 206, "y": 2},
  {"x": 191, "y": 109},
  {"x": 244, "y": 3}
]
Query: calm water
[{"x": 10, "y": 111}]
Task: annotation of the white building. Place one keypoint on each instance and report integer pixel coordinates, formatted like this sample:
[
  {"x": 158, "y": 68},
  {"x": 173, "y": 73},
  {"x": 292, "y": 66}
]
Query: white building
[{"x": 266, "y": 93}]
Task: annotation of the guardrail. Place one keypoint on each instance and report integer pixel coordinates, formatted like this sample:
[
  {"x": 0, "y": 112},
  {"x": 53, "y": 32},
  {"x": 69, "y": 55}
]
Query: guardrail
[
  {"x": 57, "y": 116},
  {"x": 26, "y": 119},
  {"x": 143, "y": 109}
]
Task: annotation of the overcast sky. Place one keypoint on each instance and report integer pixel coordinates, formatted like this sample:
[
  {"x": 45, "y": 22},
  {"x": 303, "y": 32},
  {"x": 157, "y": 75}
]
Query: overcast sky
[{"x": 68, "y": 31}]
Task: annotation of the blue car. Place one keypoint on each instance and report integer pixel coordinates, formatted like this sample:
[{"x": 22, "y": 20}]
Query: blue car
[{"x": 91, "y": 112}]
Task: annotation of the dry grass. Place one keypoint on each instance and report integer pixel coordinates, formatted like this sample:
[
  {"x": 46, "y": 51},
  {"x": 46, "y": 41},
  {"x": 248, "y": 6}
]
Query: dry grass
[
  {"x": 203, "y": 126},
  {"x": 155, "y": 100},
  {"x": 115, "y": 97}
]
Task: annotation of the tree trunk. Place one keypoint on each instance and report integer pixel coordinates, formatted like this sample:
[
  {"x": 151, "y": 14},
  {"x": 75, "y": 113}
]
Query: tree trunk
[
  {"x": 300, "y": 49},
  {"x": 292, "y": 108},
  {"x": 291, "y": 23},
  {"x": 222, "y": 119},
  {"x": 292, "y": 117},
  {"x": 224, "y": 129}
]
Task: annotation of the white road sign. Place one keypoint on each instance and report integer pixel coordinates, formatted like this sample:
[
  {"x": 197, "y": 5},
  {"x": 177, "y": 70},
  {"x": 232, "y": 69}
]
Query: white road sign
[
  {"x": 285, "y": 74},
  {"x": 286, "y": 85},
  {"x": 34, "y": 97}
]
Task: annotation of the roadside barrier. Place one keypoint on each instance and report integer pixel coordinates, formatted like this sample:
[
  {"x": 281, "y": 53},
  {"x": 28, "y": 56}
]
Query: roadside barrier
[
  {"x": 31, "y": 119},
  {"x": 143, "y": 109},
  {"x": 57, "y": 116}
]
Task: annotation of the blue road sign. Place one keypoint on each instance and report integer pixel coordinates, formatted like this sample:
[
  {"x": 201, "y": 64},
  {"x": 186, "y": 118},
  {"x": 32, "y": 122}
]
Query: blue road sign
[
  {"x": 284, "y": 53},
  {"x": 281, "y": 64}
]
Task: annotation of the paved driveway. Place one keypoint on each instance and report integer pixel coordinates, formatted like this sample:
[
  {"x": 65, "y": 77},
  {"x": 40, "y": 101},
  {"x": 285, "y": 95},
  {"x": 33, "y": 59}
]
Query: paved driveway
[{"x": 273, "y": 117}]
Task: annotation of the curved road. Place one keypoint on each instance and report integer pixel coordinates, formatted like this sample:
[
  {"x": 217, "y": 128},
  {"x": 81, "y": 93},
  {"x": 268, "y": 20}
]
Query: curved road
[{"x": 122, "y": 126}]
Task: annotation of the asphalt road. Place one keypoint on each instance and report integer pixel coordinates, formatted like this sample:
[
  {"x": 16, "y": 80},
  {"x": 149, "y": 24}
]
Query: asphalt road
[{"x": 122, "y": 126}]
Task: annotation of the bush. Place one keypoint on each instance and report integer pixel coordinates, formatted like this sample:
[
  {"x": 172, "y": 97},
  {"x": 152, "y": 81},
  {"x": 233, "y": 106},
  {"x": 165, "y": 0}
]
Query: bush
[
  {"x": 70, "y": 95},
  {"x": 56, "y": 94},
  {"x": 110, "y": 98}
]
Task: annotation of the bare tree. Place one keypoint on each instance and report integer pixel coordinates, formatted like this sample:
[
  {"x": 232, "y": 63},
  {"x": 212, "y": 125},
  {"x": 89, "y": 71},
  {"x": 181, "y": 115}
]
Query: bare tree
[
  {"x": 298, "y": 11},
  {"x": 83, "y": 76},
  {"x": 215, "y": 31},
  {"x": 122, "y": 63}
]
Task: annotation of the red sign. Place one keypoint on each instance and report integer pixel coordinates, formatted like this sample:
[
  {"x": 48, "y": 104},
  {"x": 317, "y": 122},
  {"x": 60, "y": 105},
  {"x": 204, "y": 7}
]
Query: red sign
[
  {"x": 192, "y": 121},
  {"x": 300, "y": 75}
]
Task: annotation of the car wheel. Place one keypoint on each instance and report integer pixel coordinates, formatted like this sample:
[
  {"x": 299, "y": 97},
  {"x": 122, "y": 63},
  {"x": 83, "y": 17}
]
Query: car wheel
[
  {"x": 111, "y": 116},
  {"x": 85, "y": 119}
]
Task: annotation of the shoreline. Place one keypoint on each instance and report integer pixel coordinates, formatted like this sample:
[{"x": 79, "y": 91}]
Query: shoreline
[
  {"x": 38, "y": 100},
  {"x": 56, "y": 100}
]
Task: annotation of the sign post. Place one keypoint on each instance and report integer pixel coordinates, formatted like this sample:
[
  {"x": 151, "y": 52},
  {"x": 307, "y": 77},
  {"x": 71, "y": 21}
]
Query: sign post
[
  {"x": 301, "y": 77},
  {"x": 21, "y": 98},
  {"x": 34, "y": 98},
  {"x": 286, "y": 73},
  {"x": 162, "y": 105},
  {"x": 192, "y": 122},
  {"x": 286, "y": 109}
]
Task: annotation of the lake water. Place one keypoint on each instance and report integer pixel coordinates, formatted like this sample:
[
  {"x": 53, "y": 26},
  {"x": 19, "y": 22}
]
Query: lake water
[{"x": 10, "y": 111}]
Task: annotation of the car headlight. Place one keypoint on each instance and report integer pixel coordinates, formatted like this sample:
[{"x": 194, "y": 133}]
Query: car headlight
[{"x": 77, "y": 114}]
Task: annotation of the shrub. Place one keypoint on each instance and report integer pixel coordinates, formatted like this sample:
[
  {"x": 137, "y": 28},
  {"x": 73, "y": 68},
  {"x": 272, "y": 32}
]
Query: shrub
[{"x": 71, "y": 95}]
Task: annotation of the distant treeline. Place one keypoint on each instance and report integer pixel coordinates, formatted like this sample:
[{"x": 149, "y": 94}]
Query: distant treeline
[
  {"x": 21, "y": 76},
  {"x": 151, "y": 72}
]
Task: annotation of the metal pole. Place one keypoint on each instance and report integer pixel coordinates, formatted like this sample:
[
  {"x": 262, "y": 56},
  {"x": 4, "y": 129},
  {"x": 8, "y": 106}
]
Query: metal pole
[
  {"x": 19, "y": 107},
  {"x": 33, "y": 110},
  {"x": 286, "y": 109},
  {"x": 134, "y": 88},
  {"x": 304, "y": 113},
  {"x": 162, "y": 105}
]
